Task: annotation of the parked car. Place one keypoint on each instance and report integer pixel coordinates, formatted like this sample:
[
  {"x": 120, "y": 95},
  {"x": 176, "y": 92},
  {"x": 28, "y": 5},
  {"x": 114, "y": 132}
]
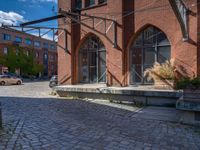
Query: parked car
[
  {"x": 53, "y": 81},
  {"x": 9, "y": 80}
]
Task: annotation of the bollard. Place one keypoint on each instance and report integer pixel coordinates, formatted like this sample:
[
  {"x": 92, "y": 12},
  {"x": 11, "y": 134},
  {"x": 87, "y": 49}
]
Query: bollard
[{"x": 1, "y": 126}]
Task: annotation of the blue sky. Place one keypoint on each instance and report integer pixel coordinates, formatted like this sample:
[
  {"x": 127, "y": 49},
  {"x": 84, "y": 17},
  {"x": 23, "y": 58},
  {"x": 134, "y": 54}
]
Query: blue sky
[{"x": 17, "y": 11}]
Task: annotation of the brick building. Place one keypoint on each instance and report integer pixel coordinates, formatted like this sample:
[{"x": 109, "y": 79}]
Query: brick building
[
  {"x": 133, "y": 36},
  {"x": 44, "y": 51}
]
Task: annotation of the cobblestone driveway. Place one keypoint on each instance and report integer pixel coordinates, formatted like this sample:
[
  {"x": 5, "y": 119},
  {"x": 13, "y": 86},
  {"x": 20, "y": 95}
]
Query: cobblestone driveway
[{"x": 35, "y": 120}]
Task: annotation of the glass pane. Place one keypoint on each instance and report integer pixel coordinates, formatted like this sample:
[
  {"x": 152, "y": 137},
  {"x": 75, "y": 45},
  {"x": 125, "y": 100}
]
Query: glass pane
[
  {"x": 149, "y": 60},
  {"x": 149, "y": 36},
  {"x": 164, "y": 54},
  {"x": 162, "y": 39},
  {"x": 149, "y": 56},
  {"x": 84, "y": 67},
  {"x": 93, "y": 66},
  {"x": 138, "y": 41},
  {"x": 78, "y": 4},
  {"x": 102, "y": 67},
  {"x": 136, "y": 73},
  {"x": 136, "y": 70},
  {"x": 102, "y": 1},
  {"x": 89, "y": 3}
]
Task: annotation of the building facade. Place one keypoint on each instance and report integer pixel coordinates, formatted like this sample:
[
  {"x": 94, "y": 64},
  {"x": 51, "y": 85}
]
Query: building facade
[
  {"x": 125, "y": 38},
  {"x": 44, "y": 51}
]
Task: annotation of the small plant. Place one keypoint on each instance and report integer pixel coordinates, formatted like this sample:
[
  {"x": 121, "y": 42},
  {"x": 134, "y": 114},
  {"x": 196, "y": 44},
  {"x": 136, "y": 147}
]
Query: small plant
[
  {"x": 188, "y": 83},
  {"x": 164, "y": 71}
]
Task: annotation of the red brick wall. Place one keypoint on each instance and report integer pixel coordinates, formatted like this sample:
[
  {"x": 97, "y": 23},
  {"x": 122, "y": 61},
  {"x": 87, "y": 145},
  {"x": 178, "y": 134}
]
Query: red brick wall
[
  {"x": 31, "y": 47},
  {"x": 162, "y": 17}
]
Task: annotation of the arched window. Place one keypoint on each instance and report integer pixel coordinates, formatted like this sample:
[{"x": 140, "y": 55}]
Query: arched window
[
  {"x": 92, "y": 61},
  {"x": 149, "y": 47}
]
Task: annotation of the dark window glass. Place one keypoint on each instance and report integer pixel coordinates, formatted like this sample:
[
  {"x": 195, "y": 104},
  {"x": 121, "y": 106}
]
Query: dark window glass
[
  {"x": 89, "y": 3},
  {"x": 46, "y": 45},
  {"x": 28, "y": 42},
  {"x": 78, "y": 4},
  {"x": 52, "y": 46},
  {"x": 163, "y": 54},
  {"x": 162, "y": 39},
  {"x": 7, "y": 37},
  {"x": 102, "y": 1},
  {"x": 37, "y": 44},
  {"x": 149, "y": 36},
  {"x": 18, "y": 39}
]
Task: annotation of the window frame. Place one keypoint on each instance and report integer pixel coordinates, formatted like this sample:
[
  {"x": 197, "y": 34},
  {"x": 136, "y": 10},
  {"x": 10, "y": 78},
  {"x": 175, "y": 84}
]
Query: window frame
[
  {"x": 6, "y": 37},
  {"x": 78, "y": 4},
  {"x": 88, "y": 3},
  {"x": 45, "y": 45},
  {"x": 18, "y": 41},
  {"x": 39, "y": 43},
  {"x": 28, "y": 41}
]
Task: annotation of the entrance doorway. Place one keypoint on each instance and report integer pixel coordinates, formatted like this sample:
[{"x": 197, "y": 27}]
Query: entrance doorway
[{"x": 92, "y": 61}]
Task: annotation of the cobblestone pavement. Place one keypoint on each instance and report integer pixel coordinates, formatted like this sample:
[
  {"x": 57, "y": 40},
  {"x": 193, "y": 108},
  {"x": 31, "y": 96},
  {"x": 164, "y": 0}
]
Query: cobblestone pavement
[{"x": 35, "y": 120}]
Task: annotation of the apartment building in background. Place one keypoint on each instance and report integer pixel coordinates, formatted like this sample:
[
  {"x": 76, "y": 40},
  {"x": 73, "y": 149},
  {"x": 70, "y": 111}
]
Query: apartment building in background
[
  {"x": 115, "y": 41},
  {"x": 44, "y": 51}
]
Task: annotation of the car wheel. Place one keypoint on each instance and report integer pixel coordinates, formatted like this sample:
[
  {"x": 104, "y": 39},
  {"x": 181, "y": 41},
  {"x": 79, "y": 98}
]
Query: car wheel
[
  {"x": 2, "y": 83},
  {"x": 19, "y": 83}
]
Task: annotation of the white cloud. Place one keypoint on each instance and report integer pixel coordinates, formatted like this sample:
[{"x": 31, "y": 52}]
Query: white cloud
[
  {"x": 10, "y": 18},
  {"x": 46, "y": 36}
]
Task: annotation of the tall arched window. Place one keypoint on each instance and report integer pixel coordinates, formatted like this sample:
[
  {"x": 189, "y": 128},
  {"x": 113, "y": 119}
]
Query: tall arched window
[
  {"x": 149, "y": 47},
  {"x": 92, "y": 61}
]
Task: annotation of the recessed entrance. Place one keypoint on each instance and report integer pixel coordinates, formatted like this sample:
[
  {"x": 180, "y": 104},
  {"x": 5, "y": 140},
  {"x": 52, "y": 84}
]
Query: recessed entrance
[
  {"x": 92, "y": 61},
  {"x": 150, "y": 46}
]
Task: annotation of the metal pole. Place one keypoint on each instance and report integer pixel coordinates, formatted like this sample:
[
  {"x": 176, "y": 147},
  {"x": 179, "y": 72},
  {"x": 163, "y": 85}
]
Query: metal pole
[{"x": 115, "y": 34}]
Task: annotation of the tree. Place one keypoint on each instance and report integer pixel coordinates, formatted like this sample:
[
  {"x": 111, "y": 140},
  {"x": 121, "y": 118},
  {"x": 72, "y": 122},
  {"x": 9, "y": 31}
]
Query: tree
[{"x": 18, "y": 59}]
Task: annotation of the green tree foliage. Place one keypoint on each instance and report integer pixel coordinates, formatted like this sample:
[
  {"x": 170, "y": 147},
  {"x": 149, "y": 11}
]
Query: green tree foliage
[{"x": 18, "y": 58}]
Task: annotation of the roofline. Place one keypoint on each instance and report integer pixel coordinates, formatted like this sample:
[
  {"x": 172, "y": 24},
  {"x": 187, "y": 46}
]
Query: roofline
[{"x": 14, "y": 30}]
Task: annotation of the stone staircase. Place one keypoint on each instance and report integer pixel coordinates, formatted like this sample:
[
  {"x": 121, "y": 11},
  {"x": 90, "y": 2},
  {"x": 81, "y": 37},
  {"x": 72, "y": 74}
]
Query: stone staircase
[{"x": 190, "y": 104}]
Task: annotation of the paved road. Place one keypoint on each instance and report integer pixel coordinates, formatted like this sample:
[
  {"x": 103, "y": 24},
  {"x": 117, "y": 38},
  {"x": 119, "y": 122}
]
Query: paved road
[{"x": 33, "y": 119}]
